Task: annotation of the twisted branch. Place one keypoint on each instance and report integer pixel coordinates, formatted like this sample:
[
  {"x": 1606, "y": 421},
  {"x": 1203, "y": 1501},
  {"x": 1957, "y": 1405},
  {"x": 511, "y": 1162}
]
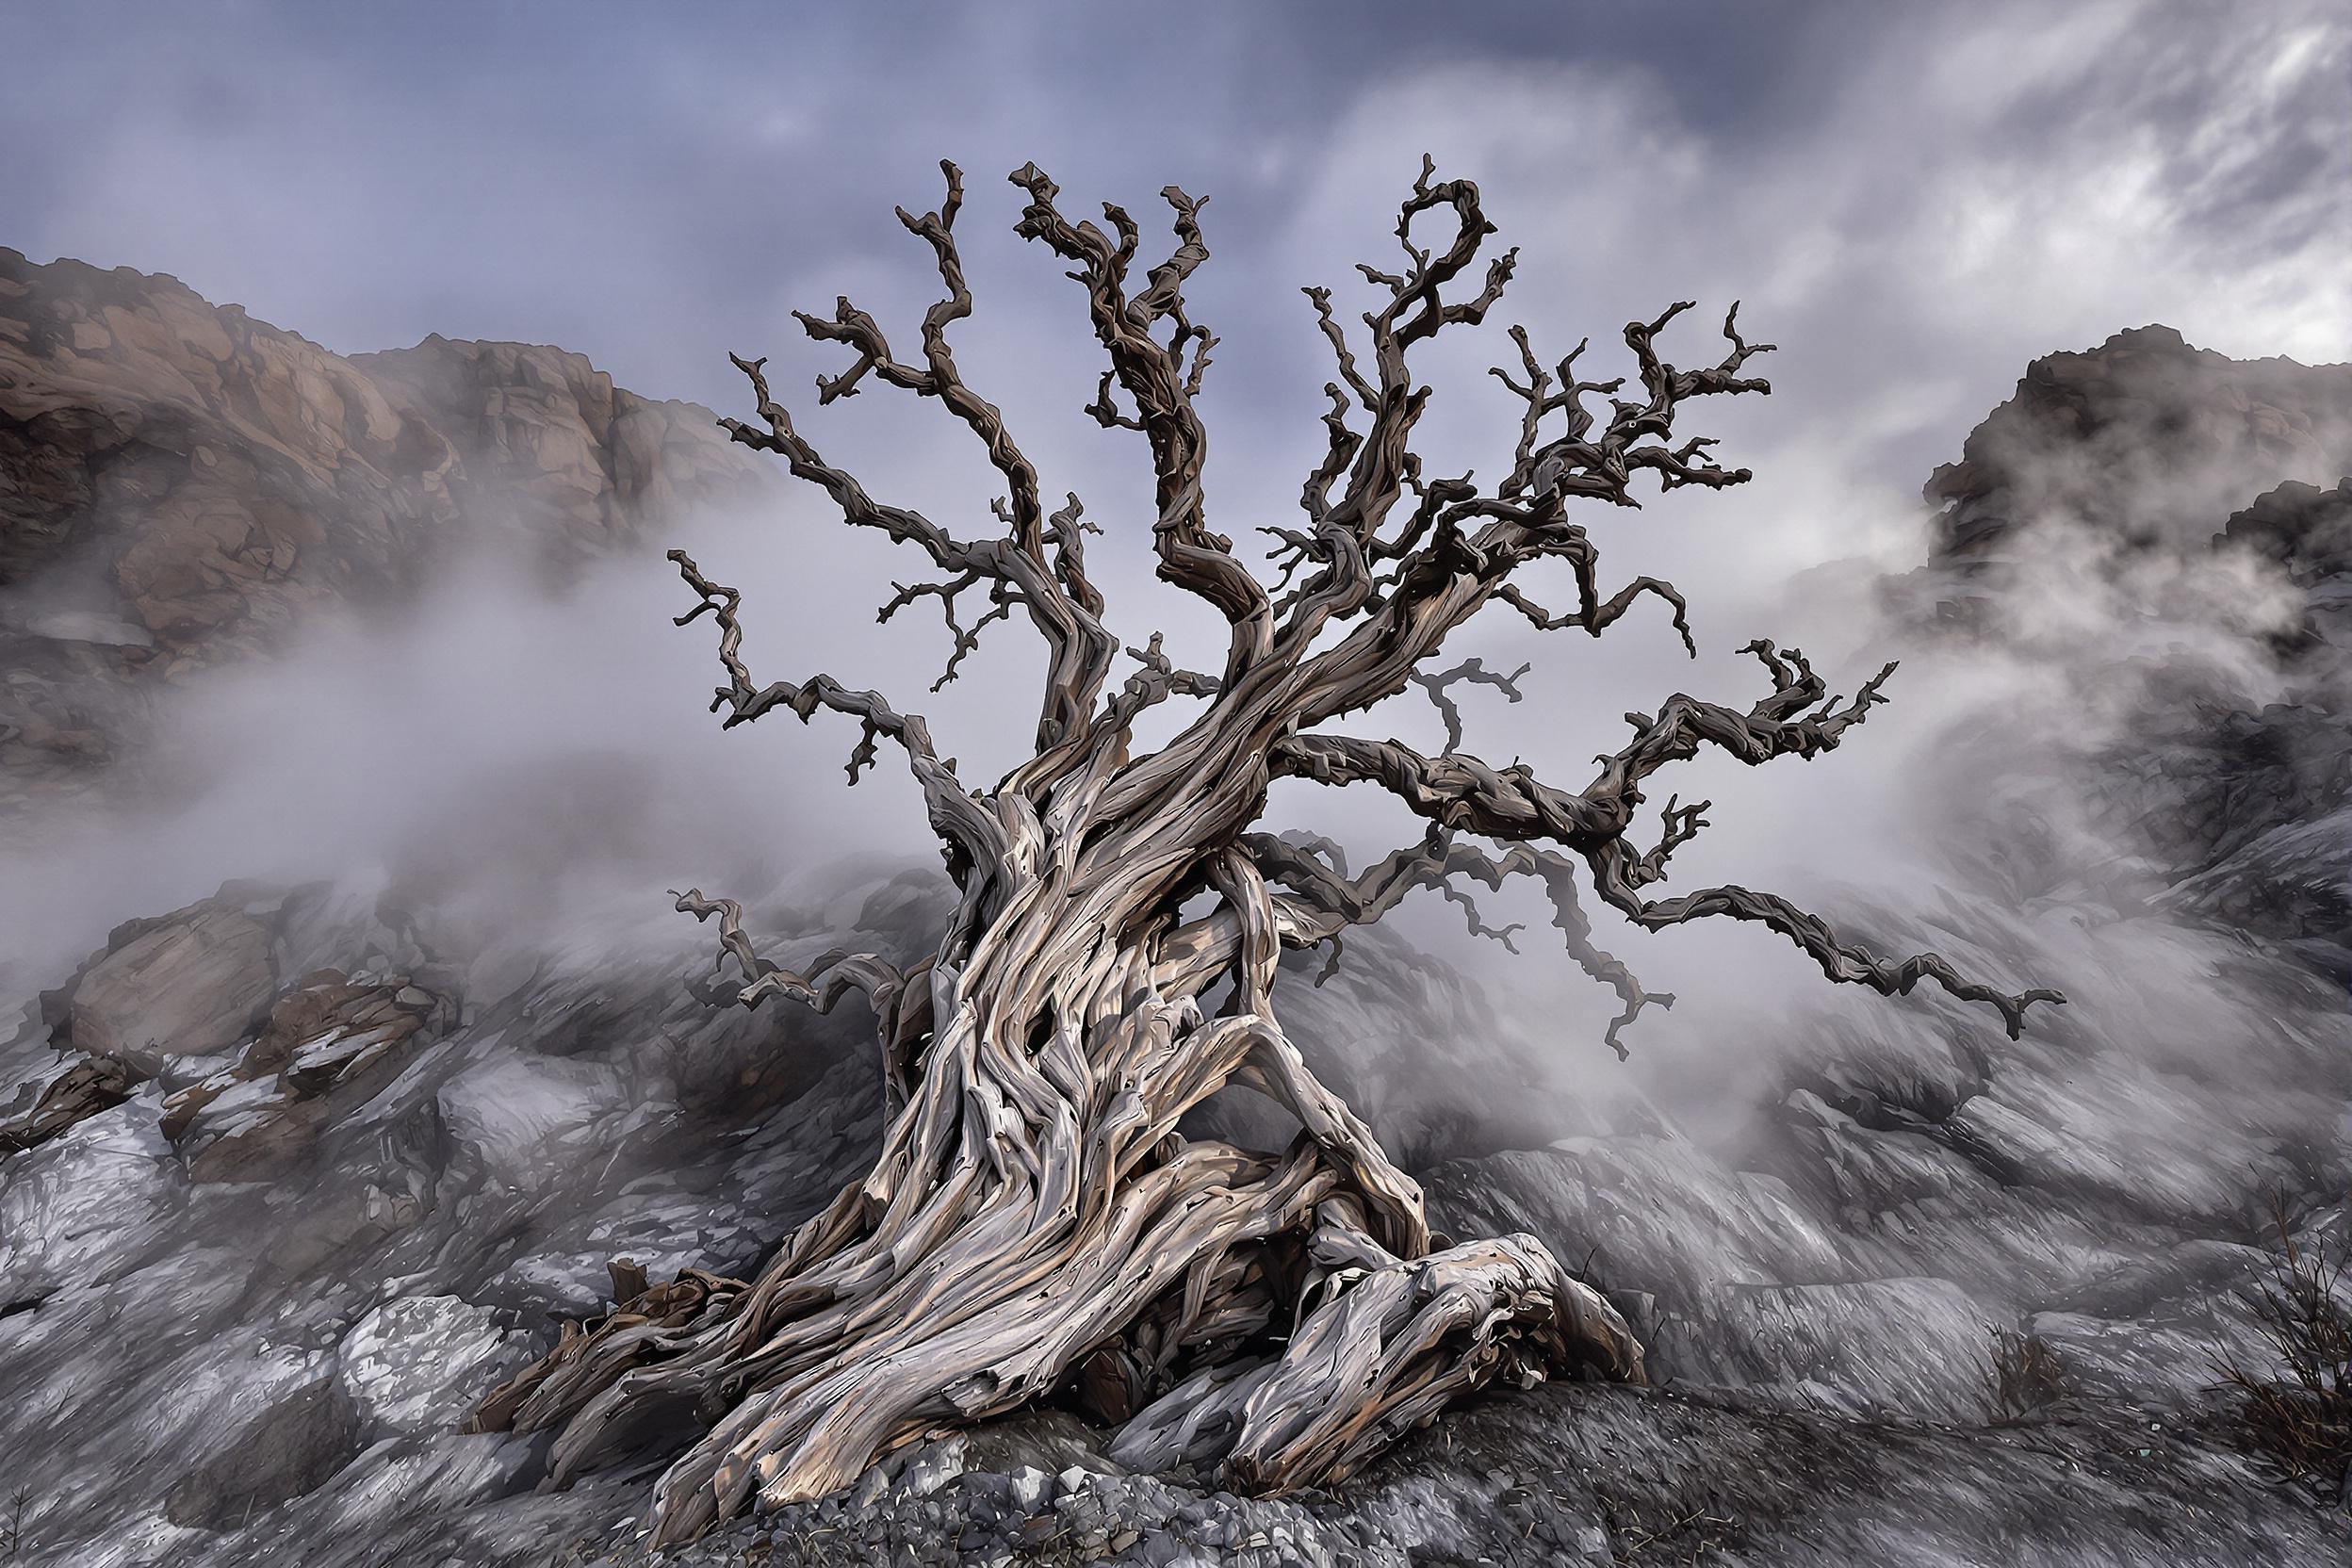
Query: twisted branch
[
  {"x": 1848, "y": 963},
  {"x": 1472, "y": 672},
  {"x": 1162, "y": 386},
  {"x": 829, "y": 976},
  {"x": 1063, "y": 607},
  {"x": 954, "y": 815}
]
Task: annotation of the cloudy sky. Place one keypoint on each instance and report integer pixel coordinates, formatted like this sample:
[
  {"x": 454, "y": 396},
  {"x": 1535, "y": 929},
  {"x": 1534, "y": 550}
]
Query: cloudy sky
[
  {"x": 1940, "y": 190},
  {"x": 1912, "y": 200}
]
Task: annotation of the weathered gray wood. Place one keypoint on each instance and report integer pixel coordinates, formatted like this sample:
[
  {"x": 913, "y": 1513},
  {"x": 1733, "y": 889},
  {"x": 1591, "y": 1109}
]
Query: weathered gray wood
[{"x": 1033, "y": 1222}]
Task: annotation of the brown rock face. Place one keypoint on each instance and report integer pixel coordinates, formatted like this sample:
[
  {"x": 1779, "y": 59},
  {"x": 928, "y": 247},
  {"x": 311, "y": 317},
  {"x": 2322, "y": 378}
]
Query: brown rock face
[
  {"x": 180, "y": 483},
  {"x": 249, "y": 1072},
  {"x": 189, "y": 987}
]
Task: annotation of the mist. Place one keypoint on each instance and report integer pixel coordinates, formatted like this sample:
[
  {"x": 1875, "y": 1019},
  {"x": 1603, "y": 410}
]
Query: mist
[
  {"x": 367, "y": 665},
  {"x": 542, "y": 761}
]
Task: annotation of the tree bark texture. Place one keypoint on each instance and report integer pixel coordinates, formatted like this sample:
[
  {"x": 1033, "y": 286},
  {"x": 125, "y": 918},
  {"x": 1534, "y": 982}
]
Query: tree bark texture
[{"x": 1033, "y": 1225}]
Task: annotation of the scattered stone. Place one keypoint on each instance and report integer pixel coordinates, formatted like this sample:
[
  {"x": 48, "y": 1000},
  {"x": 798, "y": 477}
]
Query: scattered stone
[
  {"x": 934, "y": 1466},
  {"x": 77, "y": 1092},
  {"x": 1030, "y": 1488}
]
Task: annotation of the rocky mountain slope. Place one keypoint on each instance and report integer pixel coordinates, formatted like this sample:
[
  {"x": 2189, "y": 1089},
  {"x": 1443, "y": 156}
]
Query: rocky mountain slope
[
  {"x": 2145, "y": 439},
  {"x": 292, "y": 1175},
  {"x": 2176, "y": 459},
  {"x": 180, "y": 483}
]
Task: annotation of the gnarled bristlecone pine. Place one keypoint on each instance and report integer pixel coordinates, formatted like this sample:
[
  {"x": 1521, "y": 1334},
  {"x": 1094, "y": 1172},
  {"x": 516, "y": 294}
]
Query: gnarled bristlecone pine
[{"x": 1033, "y": 1225}]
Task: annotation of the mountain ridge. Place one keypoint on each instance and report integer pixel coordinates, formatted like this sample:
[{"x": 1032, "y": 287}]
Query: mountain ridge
[{"x": 183, "y": 485}]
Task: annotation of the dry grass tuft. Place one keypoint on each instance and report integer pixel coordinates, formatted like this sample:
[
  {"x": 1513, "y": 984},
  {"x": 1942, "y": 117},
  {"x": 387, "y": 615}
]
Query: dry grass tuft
[
  {"x": 2027, "y": 1377},
  {"x": 2299, "y": 1416}
]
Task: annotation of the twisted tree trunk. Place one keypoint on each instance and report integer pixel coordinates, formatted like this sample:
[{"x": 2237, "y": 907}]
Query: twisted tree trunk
[{"x": 1033, "y": 1224}]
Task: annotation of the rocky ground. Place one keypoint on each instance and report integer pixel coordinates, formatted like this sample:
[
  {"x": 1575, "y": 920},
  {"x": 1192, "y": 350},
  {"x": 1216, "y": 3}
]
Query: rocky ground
[
  {"x": 245, "y": 1306},
  {"x": 291, "y": 1176}
]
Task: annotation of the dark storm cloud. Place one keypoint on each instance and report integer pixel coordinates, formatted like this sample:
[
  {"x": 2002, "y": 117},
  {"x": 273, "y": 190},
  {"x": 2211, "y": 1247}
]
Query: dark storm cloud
[{"x": 650, "y": 185}]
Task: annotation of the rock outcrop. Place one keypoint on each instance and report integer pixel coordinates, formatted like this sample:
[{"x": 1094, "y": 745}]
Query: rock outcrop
[
  {"x": 2143, "y": 439},
  {"x": 2199, "y": 491},
  {"x": 189, "y": 986},
  {"x": 181, "y": 483}
]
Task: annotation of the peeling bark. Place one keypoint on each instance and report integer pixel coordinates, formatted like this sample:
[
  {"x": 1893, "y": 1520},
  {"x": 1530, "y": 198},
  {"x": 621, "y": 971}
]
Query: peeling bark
[{"x": 1033, "y": 1226}]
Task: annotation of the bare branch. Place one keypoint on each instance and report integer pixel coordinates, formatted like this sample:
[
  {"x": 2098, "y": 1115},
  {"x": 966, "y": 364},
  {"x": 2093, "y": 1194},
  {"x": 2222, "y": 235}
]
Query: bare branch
[
  {"x": 1779, "y": 725},
  {"x": 1848, "y": 963},
  {"x": 1478, "y": 924},
  {"x": 1473, "y": 671},
  {"x": 1315, "y": 496},
  {"x": 1558, "y": 874},
  {"x": 1162, "y": 387},
  {"x": 1158, "y": 680},
  {"x": 1066, "y": 532},
  {"x": 1347, "y": 372},
  {"x": 1798, "y": 719},
  {"x": 1001, "y": 601},
  {"x": 826, "y": 980},
  {"x": 1069, "y": 620},
  {"x": 940, "y": 377},
  {"x": 1433, "y": 863},
  {"x": 1431, "y": 271},
  {"x": 1595, "y": 614},
  {"x": 1379, "y": 464},
  {"x": 1106, "y": 413},
  {"x": 857, "y": 508},
  {"x": 1681, "y": 824},
  {"x": 954, "y": 813},
  {"x": 1459, "y": 791}
]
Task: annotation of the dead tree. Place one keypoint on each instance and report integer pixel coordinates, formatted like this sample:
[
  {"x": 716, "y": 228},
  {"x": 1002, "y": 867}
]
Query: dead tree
[{"x": 1033, "y": 1225}]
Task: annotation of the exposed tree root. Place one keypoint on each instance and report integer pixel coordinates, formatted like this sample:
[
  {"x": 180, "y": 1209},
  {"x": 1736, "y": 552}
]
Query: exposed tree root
[{"x": 1392, "y": 1346}]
